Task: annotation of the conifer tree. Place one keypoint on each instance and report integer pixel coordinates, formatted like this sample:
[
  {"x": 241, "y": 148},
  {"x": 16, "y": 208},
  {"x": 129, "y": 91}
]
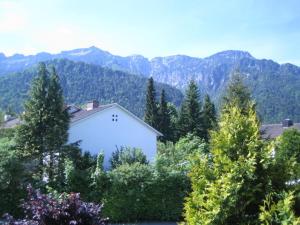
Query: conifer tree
[
  {"x": 164, "y": 125},
  {"x": 151, "y": 112},
  {"x": 190, "y": 118},
  {"x": 58, "y": 132},
  {"x": 237, "y": 92},
  {"x": 229, "y": 186},
  {"x": 45, "y": 124},
  {"x": 209, "y": 116}
]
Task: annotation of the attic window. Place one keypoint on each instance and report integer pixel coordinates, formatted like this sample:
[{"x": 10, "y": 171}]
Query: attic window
[{"x": 114, "y": 117}]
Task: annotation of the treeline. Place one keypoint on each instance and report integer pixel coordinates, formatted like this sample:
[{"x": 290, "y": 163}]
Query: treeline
[{"x": 193, "y": 116}]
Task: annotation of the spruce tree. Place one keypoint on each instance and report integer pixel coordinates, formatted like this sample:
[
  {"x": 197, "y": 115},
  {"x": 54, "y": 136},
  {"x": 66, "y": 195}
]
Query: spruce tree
[
  {"x": 43, "y": 132},
  {"x": 237, "y": 92},
  {"x": 190, "y": 118},
  {"x": 209, "y": 116},
  {"x": 151, "y": 112},
  {"x": 164, "y": 123},
  {"x": 58, "y": 134}
]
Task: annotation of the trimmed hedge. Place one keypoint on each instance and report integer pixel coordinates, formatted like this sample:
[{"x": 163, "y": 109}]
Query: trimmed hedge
[{"x": 138, "y": 193}]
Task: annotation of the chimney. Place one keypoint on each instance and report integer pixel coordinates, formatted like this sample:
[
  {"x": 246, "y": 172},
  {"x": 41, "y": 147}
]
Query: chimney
[
  {"x": 92, "y": 105},
  {"x": 287, "y": 123}
]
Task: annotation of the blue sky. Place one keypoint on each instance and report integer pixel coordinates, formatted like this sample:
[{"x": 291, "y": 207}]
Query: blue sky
[{"x": 266, "y": 28}]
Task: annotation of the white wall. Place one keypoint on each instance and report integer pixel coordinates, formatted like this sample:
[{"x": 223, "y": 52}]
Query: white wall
[{"x": 99, "y": 133}]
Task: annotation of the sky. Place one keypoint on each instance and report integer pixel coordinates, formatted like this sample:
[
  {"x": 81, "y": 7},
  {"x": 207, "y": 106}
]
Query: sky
[{"x": 265, "y": 28}]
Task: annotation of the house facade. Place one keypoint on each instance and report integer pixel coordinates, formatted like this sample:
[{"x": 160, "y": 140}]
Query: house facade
[{"x": 105, "y": 128}]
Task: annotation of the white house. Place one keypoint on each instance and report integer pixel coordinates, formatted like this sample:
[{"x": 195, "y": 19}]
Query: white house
[{"x": 108, "y": 127}]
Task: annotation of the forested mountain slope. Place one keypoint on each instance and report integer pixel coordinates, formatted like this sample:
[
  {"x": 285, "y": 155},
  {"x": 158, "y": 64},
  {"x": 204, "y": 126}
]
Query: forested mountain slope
[{"x": 82, "y": 82}]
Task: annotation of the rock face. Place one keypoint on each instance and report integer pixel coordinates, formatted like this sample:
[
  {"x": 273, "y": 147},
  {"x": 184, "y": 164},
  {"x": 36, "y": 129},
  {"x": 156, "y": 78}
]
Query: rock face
[{"x": 275, "y": 87}]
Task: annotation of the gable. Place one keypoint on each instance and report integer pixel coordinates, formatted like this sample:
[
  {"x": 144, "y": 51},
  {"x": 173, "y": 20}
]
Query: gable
[{"x": 82, "y": 116}]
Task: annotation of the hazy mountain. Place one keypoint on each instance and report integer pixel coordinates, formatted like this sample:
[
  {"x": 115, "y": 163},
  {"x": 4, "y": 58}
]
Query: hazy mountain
[
  {"x": 83, "y": 82},
  {"x": 275, "y": 87}
]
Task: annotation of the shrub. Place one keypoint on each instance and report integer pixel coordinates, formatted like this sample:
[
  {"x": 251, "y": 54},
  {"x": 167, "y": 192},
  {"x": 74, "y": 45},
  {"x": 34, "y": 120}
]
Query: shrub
[
  {"x": 126, "y": 155},
  {"x": 66, "y": 210},
  {"x": 11, "y": 178},
  {"x": 177, "y": 156},
  {"x": 166, "y": 196},
  {"x": 138, "y": 193},
  {"x": 126, "y": 198},
  {"x": 280, "y": 211}
]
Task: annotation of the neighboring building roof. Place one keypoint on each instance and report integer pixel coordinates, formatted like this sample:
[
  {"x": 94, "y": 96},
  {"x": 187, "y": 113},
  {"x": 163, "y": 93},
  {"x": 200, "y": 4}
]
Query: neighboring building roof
[
  {"x": 11, "y": 123},
  {"x": 271, "y": 131}
]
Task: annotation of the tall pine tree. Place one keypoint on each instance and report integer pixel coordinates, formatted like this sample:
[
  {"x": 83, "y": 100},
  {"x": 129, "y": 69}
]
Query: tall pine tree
[
  {"x": 209, "y": 116},
  {"x": 237, "y": 92},
  {"x": 190, "y": 118},
  {"x": 58, "y": 134},
  {"x": 45, "y": 125},
  {"x": 164, "y": 122},
  {"x": 151, "y": 112}
]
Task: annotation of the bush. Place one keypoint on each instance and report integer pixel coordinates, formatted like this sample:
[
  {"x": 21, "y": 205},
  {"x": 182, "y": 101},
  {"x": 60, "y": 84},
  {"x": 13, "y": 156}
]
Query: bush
[
  {"x": 177, "y": 156},
  {"x": 66, "y": 210},
  {"x": 166, "y": 196},
  {"x": 280, "y": 211},
  {"x": 11, "y": 179},
  {"x": 127, "y": 195},
  {"x": 138, "y": 193},
  {"x": 127, "y": 155}
]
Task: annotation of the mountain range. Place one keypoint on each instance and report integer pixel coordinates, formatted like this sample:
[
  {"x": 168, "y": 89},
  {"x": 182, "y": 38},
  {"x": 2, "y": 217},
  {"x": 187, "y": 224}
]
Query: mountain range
[{"x": 275, "y": 87}]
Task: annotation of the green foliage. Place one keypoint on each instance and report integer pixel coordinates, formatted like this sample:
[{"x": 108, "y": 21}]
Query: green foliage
[
  {"x": 45, "y": 127},
  {"x": 78, "y": 172},
  {"x": 287, "y": 155},
  {"x": 11, "y": 178},
  {"x": 278, "y": 210},
  {"x": 177, "y": 156},
  {"x": 228, "y": 188},
  {"x": 166, "y": 196},
  {"x": 126, "y": 155},
  {"x": 190, "y": 118},
  {"x": 209, "y": 116},
  {"x": 151, "y": 110},
  {"x": 7, "y": 133},
  {"x": 82, "y": 82},
  {"x": 136, "y": 193},
  {"x": 127, "y": 195},
  {"x": 164, "y": 119},
  {"x": 237, "y": 92},
  {"x": 100, "y": 180}
]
